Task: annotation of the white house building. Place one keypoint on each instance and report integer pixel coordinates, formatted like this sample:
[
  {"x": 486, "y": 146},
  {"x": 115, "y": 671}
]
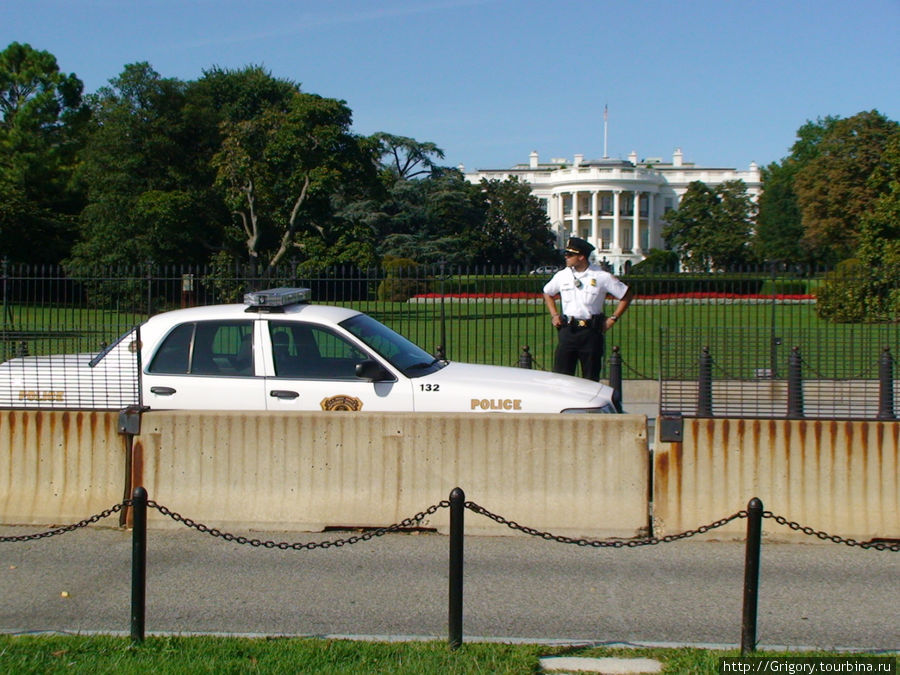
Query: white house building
[{"x": 618, "y": 205}]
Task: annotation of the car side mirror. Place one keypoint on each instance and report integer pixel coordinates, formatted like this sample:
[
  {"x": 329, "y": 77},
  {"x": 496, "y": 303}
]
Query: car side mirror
[{"x": 372, "y": 371}]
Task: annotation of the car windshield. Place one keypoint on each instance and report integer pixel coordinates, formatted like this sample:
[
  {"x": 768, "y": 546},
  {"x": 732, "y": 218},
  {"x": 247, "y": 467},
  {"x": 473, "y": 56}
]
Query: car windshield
[{"x": 411, "y": 360}]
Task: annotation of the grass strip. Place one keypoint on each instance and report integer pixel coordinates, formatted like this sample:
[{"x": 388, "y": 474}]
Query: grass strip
[{"x": 97, "y": 654}]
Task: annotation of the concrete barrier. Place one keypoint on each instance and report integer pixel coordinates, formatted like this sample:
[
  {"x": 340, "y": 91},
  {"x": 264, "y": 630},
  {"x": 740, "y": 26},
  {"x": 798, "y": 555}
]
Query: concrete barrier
[
  {"x": 584, "y": 475},
  {"x": 59, "y": 466},
  {"x": 841, "y": 477}
]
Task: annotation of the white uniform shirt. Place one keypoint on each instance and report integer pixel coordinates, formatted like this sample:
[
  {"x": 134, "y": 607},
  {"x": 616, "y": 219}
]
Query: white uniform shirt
[{"x": 584, "y": 293}]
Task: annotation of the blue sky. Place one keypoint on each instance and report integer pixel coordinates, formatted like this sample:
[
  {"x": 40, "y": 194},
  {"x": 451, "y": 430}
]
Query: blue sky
[{"x": 489, "y": 81}]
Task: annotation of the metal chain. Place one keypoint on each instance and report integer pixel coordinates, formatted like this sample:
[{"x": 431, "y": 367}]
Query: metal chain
[
  {"x": 605, "y": 543},
  {"x": 728, "y": 374},
  {"x": 630, "y": 369},
  {"x": 877, "y": 545},
  {"x": 406, "y": 523},
  {"x": 69, "y": 528},
  {"x": 415, "y": 521}
]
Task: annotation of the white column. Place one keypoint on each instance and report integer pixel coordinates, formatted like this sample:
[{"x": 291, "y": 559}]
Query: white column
[
  {"x": 651, "y": 221},
  {"x": 553, "y": 215},
  {"x": 560, "y": 213},
  {"x": 636, "y": 224},
  {"x": 617, "y": 239},
  {"x": 575, "y": 214},
  {"x": 595, "y": 220}
]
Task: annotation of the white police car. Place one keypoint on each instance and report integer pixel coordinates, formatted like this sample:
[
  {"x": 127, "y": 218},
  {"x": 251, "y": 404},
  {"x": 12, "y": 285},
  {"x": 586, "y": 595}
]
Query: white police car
[{"x": 279, "y": 352}]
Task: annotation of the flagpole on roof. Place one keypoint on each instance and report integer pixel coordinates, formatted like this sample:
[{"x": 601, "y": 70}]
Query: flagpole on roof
[{"x": 605, "y": 125}]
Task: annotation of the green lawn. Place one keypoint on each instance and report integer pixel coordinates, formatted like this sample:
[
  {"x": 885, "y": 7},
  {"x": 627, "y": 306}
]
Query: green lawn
[{"x": 104, "y": 654}]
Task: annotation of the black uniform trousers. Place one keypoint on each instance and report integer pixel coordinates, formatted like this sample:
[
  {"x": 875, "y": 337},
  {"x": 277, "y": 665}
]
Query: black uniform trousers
[{"x": 580, "y": 344}]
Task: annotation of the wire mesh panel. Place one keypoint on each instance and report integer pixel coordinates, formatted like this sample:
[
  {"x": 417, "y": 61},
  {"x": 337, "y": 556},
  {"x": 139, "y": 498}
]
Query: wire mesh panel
[
  {"x": 830, "y": 372},
  {"x": 108, "y": 379}
]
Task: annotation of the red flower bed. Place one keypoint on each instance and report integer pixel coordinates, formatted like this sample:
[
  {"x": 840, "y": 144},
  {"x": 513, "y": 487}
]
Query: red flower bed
[{"x": 660, "y": 296}]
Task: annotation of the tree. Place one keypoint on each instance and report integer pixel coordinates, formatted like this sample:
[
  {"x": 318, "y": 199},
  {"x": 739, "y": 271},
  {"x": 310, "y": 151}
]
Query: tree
[
  {"x": 279, "y": 171},
  {"x": 148, "y": 195},
  {"x": 41, "y": 121},
  {"x": 515, "y": 230},
  {"x": 406, "y": 158},
  {"x": 842, "y": 182},
  {"x": 712, "y": 228},
  {"x": 779, "y": 230},
  {"x": 424, "y": 219},
  {"x": 779, "y": 226},
  {"x": 866, "y": 288}
]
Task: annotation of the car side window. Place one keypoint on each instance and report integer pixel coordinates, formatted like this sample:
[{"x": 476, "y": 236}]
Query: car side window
[
  {"x": 312, "y": 352},
  {"x": 207, "y": 348}
]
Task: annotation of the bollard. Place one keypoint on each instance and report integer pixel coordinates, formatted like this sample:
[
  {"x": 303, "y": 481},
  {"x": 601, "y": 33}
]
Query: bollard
[
  {"x": 704, "y": 385},
  {"x": 457, "y": 516},
  {"x": 751, "y": 575},
  {"x": 886, "y": 385},
  {"x": 525, "y": 359},
  {"x": 138, "y": 564},
  {"x": 795, "y": 385},
  {"x": 615, "y": 377}
]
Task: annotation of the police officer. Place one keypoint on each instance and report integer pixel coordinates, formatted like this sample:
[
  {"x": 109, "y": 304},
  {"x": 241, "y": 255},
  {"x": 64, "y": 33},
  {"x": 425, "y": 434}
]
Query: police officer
[{"x": 583, "y": 288}]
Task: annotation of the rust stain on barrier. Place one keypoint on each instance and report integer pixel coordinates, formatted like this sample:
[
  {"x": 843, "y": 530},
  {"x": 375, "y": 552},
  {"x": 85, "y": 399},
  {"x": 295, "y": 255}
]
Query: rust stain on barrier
[{"x": 840, "y": 475}]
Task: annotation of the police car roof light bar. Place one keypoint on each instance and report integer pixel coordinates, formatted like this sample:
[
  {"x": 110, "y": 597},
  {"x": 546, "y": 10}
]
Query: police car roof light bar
[{"x": 276, "y": 297}]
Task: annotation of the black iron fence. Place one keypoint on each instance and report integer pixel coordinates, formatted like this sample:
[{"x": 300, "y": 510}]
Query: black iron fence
[
  {"x": 457, "y": 503},
  {"x": 750, "y": 320}
]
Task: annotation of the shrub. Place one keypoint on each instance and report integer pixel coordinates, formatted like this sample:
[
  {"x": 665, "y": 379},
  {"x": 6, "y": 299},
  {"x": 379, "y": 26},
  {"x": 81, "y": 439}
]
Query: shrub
[
  {"x": 845, "y": 297},
  {"x": 401, "y": 281},
  {"x": 785, "y": 287}
]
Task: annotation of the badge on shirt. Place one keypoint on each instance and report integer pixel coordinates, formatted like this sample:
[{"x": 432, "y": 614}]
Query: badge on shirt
[{"x": 593, "y": 282}]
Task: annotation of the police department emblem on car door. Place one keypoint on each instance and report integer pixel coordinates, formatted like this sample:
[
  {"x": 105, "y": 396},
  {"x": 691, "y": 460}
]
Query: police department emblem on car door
[{"x": 350, "y": 403}]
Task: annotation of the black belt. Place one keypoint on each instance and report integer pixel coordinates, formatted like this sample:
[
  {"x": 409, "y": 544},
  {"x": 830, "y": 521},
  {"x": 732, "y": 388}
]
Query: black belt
[{"x": 577, "y": 323}]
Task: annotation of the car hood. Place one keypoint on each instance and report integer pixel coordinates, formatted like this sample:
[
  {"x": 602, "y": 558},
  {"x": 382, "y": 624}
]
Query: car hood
[{"x": 486, "y": 388}]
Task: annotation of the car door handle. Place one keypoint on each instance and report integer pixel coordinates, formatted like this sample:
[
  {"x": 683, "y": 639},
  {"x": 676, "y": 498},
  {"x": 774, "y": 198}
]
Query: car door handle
[
  {"x": 162, "y": 391},
  {"x": 283, "y": 393}
]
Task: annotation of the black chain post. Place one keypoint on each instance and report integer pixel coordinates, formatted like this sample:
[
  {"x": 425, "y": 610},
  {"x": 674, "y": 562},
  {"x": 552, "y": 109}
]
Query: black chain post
[
  {"x": 886, "y": 385},
  {"x": 139, "y": 565},
  {"x": 704, "y": 385},
  {"x": 795, "y": 385},
  {"x": 751, "y": 575},
  {"x": 457, "y": 516},
  {"x": 615, "y": 377},
  {"x": 525, "y": 359}
]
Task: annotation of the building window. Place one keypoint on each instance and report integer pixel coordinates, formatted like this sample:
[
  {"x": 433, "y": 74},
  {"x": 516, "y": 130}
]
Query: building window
[
  {"x": 606, "y": 205},
  {"x": 584, "y": 205}
]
